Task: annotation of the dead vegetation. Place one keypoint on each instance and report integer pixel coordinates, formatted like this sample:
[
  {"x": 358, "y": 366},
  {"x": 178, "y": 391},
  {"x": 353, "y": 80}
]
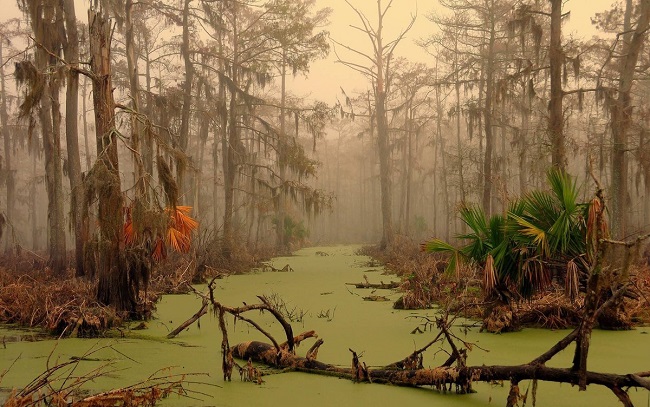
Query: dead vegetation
[
  {"x": 425, "y": 284},
  {"x": 67, "y": 306},
  {"x": 32, "y": 295},
  {"x": 64, "y": 306},
  {"x": 61, "y": 384}
]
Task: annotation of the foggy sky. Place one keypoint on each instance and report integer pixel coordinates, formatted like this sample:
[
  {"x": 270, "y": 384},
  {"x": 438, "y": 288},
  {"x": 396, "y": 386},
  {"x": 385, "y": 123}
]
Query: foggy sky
[{"x": 326, "y": 77}]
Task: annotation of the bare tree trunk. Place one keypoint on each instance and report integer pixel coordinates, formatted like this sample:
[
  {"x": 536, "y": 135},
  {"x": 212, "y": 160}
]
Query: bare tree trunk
[
  {"x": 54, "y": 180},
  {"x": 523, "y": 146},
  {"x": 556, "y": 114},
  {"x": 410, "y": 162},
  {"x": 621, "y": 116},
  {"x": 33, "y": 213},
  {"x": 215, "y": 176},
  {"x": 134, "y": 88},
  {"x": 230, "y": 154},
  {"x": 71, "y": 50},
  {"x": 489, "y": 96},
  {"x": 147, "y": 140},
  {"x": 114, "y": 286},
  {"x": 6, "y": 137},
  {"x": 84, "y": 95},
  {"x": 383, "y": 139},
  {"x": 459, "y": 146},
  {"x": 440, "y": 146},
  {"x": 49, "y": 117},
  {"x": 281, "y": 238},
  {"x": 187, "y": 102}
]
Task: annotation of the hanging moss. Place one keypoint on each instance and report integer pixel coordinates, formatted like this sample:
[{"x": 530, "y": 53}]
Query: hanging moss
[{"x": 167, "y": 181}]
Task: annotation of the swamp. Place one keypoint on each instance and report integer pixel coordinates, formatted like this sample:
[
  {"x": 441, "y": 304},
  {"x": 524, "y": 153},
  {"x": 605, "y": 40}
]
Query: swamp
[
  {"x": 288, "y": 202},
  {"x": 317, "y": 296}
]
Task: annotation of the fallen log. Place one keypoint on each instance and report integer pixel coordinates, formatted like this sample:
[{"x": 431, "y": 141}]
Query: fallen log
[
  {"x": 381, "y": 285},
  {"x": 440, "y": 377}
]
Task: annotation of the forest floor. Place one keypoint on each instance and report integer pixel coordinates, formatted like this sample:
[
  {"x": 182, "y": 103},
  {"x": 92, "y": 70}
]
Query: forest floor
[{"x": 425, "y": 284}]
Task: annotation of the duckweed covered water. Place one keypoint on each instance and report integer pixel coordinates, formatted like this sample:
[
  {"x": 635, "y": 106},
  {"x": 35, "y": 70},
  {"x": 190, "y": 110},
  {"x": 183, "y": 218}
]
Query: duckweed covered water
[{"x": 319, "y": 299}]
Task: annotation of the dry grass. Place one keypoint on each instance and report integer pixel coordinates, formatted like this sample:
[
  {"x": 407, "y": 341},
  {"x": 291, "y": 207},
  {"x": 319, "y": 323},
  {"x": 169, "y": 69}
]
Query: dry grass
[
  {"x": 32, "y": 296},
  {"x": 63, "y": 305},
  {"x": 60, "y": 385},
  {"x": 424, "y": 281}
]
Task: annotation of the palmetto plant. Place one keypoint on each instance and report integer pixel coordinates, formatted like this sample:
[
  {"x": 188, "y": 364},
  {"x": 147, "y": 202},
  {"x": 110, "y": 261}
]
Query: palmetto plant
[
  {"x": 542, "y": 235},
  {"x": 172, "y": 228}
]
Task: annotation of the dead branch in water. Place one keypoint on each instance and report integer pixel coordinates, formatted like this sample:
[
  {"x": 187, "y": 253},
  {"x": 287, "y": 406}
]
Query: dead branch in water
[{"x": 60, "y": 385}]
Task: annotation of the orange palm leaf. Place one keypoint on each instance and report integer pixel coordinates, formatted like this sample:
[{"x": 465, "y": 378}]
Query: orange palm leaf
[
  {"x": 159, "y": 250},
  {"x": 129, "y": 233}
]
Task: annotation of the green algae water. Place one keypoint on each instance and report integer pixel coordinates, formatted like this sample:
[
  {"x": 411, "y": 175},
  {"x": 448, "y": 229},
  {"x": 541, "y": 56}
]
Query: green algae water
[{"x": 316, "y": 296}]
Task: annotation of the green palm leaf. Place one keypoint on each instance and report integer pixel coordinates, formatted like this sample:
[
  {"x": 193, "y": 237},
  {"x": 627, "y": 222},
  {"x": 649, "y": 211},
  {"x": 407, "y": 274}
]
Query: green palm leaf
[{"x": 531, "y": 231}]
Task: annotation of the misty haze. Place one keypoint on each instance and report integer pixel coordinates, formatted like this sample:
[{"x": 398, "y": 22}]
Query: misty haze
[{"x": 392, "y": 182}]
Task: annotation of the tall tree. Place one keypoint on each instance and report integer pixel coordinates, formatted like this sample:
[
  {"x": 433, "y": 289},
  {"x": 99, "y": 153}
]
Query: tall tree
[
  {"x": 115, "y": 285},
  {"x": 378, "y": 71},
  {"x": 621, "y": 112},
  {"x": 71, "y": 53},
  {"x": 299, "y": 44},
  {"x": 42, "y": 94},
  {"x": 556, "y": 113},
  {"x": 187, "y": 98},
  {"x": 6, "y": 34}
]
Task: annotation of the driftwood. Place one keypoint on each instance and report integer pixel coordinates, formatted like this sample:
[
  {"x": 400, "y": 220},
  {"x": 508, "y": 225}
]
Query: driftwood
[
  {"x": 381, "y": 285},
  {"x": 266, "y": 268}
]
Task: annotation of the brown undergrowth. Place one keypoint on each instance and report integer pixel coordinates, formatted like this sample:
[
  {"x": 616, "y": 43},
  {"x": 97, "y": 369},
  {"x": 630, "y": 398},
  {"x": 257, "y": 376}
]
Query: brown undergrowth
[
  {"x": 425, "y": 284},
  {"x": 32, "y": 296},
  {"x": 424, "y": 281}
]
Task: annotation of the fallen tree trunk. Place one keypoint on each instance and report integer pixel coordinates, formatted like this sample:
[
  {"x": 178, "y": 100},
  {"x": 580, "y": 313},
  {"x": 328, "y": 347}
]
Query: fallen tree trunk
[
  {"x": 439, "y": 377},
  {"x": 381, "y": 285}
]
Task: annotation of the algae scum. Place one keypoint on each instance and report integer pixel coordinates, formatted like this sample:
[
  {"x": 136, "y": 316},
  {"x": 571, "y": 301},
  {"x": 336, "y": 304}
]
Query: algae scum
[{"x": 316, "y": 297}]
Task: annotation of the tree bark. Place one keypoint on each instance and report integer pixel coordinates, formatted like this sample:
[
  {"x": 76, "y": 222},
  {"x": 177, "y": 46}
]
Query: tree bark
[
  {"x": 556, "y": 114},
  {"x": 6, "y": 137},
  {"x": 183, "y": 186},
  {"x": 461, "y": 377},
  {"x": 229, "y": 145},
  {"x": 45, "y": 18},
  {"x": 114, "y": 286},
  {"x": 134, "y": 88},
  {"x": 383, "y": 138},
  {"x": 281, "y": 238},
  {"x": 71, "y": 50},
  {"x": 488, "y": 113},
  {"x": 621, "y": 118}
]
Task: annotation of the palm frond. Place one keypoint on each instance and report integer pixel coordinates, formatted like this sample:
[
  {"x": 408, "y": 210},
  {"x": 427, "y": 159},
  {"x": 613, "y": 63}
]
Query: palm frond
[
  {"x": 489, "y": 275},
  {"x": 475, "y": 218},
  {"x": 534, "y": 232},
  {"x": 440, "y": 246},
  {"x": 437, "y": 246},
  {"x": 564, "y": 188}
]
